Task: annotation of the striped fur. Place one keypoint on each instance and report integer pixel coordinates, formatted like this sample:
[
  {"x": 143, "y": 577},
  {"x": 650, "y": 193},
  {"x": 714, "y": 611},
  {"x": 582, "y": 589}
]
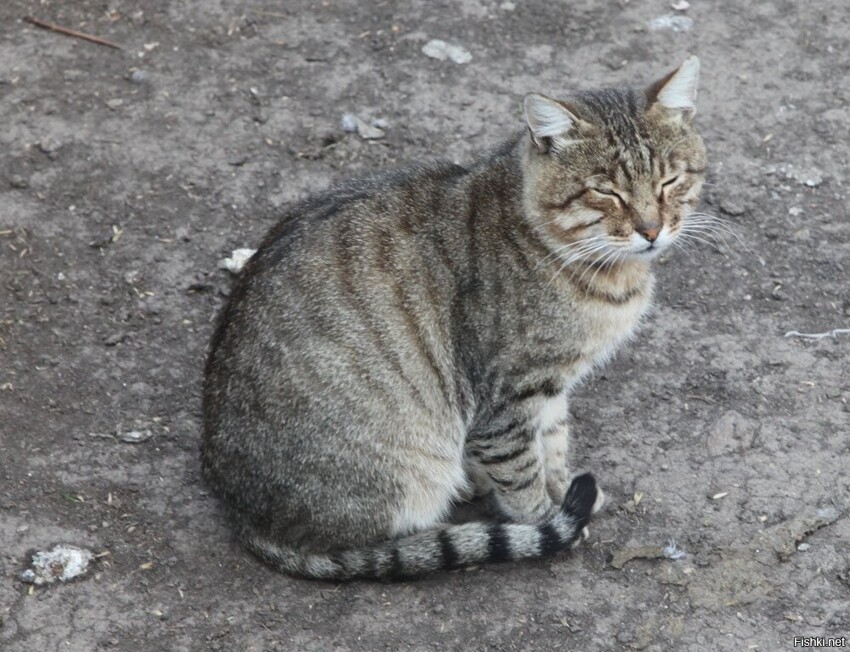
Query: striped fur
[
  {"x": 443, "y": 549},
  {"x": 404, "y": 340}
]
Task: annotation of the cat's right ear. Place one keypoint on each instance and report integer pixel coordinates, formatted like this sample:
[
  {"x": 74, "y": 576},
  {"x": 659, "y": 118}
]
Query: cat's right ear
[
  {"x": 547, "y": 119},
  {"x": 676, "y": 93}
]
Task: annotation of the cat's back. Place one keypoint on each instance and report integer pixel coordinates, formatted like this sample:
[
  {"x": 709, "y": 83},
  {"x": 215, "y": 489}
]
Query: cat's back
[
  {"x": 331, "y": 253},
  {"x": 405, "y": 198}
]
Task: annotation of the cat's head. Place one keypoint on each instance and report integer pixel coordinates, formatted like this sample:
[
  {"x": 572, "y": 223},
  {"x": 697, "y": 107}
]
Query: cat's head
[{"x": 612, "y": 174}]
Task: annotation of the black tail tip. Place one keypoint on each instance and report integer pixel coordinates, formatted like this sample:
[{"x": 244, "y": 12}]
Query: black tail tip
[{"x": 581, "y": 496}]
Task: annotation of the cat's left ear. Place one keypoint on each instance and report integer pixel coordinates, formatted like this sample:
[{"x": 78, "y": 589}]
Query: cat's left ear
[
  {"x": 547, "y": 119},
  {"x": 677, "y": 91}
]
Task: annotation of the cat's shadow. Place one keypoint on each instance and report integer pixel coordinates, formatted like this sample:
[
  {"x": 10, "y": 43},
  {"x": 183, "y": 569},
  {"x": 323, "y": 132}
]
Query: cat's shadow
[{"x": 474, "y": 510}]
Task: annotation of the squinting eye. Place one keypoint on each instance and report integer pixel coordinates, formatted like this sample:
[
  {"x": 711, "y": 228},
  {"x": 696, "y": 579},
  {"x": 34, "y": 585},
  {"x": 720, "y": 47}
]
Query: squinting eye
[
  {"x": 670, "y": 182},
  {"x": 608, "y": 193}
]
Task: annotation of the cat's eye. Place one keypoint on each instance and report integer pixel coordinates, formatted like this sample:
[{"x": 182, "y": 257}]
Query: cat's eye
[
  {"x": 608, "y": 192},
  {"x": 666, "y": 184}
]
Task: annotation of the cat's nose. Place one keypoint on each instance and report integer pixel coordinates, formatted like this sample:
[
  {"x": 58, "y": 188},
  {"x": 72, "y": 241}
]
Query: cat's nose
[{"x": 649, "y": 231}]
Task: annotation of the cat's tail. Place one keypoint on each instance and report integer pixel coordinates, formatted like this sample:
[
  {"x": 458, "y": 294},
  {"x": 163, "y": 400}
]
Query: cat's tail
[{"x": 454, "y": 546}]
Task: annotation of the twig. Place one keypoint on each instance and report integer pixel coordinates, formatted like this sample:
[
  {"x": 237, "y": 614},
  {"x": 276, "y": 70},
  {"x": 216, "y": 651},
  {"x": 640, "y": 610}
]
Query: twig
[
  {"x": 819, "y": 336},
  {"x": 70, "y": 32}
]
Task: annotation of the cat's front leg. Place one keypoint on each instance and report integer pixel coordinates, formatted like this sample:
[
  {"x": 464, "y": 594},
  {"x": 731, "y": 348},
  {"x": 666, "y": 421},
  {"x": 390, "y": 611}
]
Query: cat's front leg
[
  {"x": 510, "y": 456},
  {"x": 554, "y": 436},
  {"x": 556, "y": 444},
  {"x": 553, "y": 426}
]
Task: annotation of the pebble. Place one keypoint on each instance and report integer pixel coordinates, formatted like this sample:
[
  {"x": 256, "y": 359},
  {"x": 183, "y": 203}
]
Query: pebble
[
  {"x": 351, "y": 124},
  {"x": 115, "y": 103},
  {"x": 138, "y": 77},
  {"x": 114, "y": 339},
  {"x": 50, "y": 146},
  {"x": 438, "y": 49},
  {"x": 17, "y": 181},
  {"x": 828, "y": 513},
  {"x": 134, "y": 436},
  {"x": 732, "y": 207},
  {"x": 672, "y": 22},
  {"x": 237, "y": 260}
]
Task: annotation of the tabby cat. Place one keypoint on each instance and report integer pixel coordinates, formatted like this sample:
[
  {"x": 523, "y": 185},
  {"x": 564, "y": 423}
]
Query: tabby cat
[{"x": 399, "y": 341}]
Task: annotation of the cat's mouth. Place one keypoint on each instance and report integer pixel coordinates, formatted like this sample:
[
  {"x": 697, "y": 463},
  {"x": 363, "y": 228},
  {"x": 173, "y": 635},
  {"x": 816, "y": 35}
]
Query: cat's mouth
[{"x": 648, "y": 249}]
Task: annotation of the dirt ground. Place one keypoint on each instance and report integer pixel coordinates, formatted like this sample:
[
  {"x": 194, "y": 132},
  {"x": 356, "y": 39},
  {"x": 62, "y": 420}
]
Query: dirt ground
[{"x": 127, "y": 175}]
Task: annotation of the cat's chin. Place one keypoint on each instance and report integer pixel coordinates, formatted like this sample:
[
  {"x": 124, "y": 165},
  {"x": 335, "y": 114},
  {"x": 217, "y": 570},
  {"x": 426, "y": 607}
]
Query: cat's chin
[{"x": 648, "y": 254}]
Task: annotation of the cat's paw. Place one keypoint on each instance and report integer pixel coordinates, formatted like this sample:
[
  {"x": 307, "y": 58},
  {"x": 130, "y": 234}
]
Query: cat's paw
[{"x": 583, "y": 536}]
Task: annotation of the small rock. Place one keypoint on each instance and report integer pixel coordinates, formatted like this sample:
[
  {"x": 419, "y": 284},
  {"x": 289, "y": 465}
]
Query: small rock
[
  {"x": 114, "y": 339},
  {"x": 237, "y": 161},
  {"x": 732, "y": 207},
  {"x": 134, "y": 436},
  {"x": 672, "y": 22},
  {"x": 138, "y": 77},
  {"x": 115, "y": 103},
  {"x": 237, "y": 260},
  {"x": 352, "y": 124},
  {"x": 50, "y": 146},
  {"x": 438, "y": 49},
  {"x": 17, "y": 181},
  {"x": 827, "y": 514},
  {"x": 507, "y": 6},
  {"x": 803, "y": 547},
  {"x": 380, "y": 123},
  {"x": 795, "y": 211},
  {"x": 680, "y": 5},
  {"x": 349, "y": 123}
]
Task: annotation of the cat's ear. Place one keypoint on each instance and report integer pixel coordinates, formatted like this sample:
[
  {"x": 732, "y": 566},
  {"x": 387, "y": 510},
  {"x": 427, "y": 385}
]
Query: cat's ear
[
  {"x": 546, "y": 119},
  {"x": 677, "y": 91}
]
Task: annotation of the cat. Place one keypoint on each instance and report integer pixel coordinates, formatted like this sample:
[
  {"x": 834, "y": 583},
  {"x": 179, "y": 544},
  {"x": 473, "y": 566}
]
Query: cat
[{"x": 402, "y": 340}]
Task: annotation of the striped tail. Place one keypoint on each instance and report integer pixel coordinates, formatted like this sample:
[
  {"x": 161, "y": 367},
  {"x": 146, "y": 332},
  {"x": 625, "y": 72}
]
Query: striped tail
[{"x": 453, "y": 547}]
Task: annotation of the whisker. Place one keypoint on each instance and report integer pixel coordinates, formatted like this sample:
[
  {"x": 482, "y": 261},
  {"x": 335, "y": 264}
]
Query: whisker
[
  {"x": 578, "y": 244},
  {"x": 604, "y": 262},
  {"x": 703, "y": 240},
  {"x": 717, "y": 236},
  {"x": 707, "y": 220}
]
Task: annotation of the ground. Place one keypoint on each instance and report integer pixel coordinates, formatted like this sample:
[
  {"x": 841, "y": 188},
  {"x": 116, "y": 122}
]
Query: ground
[{"x": 127, "y": 175}]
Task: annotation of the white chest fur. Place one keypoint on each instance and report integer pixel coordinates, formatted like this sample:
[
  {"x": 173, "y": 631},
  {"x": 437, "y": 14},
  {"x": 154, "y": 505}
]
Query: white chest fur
[{"x": 606, "y": 326}]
